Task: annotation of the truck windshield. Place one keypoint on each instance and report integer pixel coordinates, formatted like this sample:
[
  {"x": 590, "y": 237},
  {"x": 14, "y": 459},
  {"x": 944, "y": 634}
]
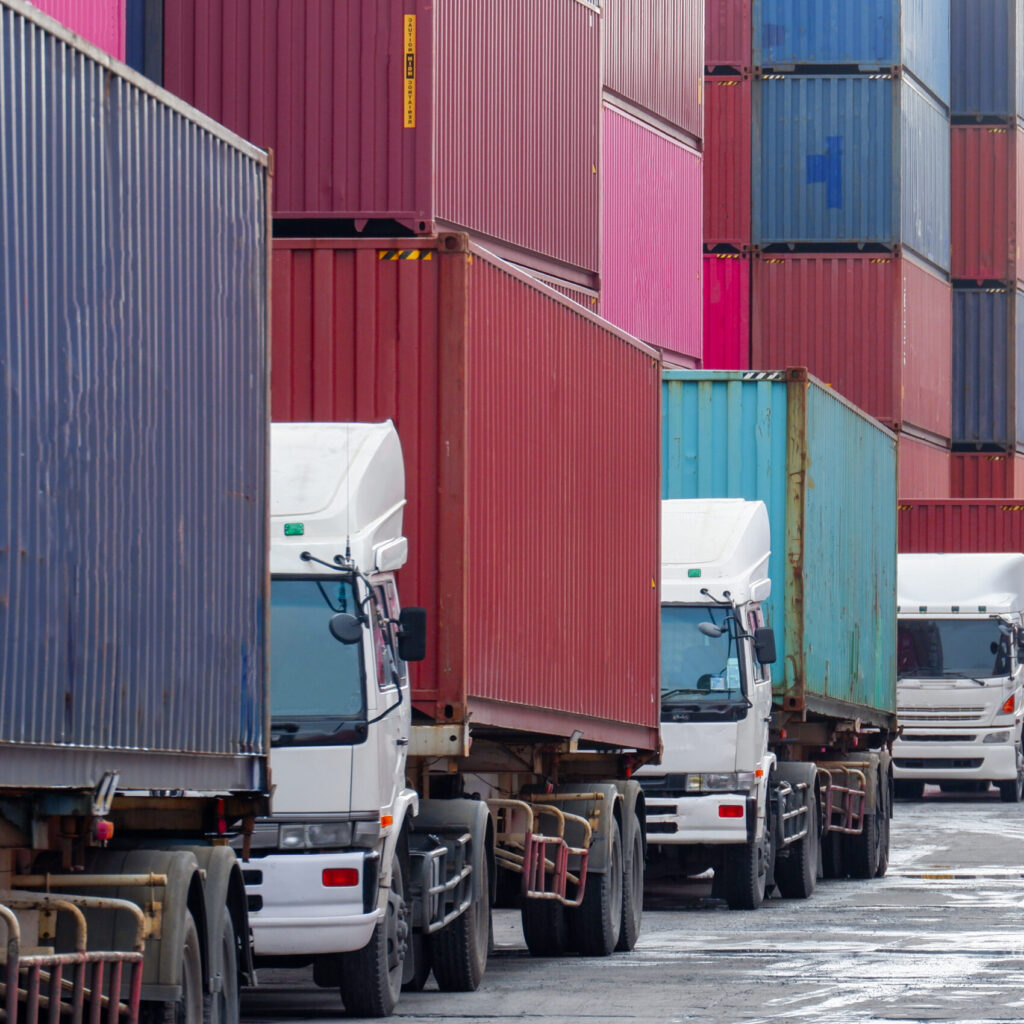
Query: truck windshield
[
  {"x": 695, "y": 667},
  {"x": 951, "y": 649},
  {"x": 316, "y": 683}
]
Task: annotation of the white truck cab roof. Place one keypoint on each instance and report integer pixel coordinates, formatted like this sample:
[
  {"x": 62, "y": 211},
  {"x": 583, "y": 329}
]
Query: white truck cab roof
[
  {"x": 719, "y": 544},
  {"x": 963, "y": 584},
  {"x": 336, "y": 486}
]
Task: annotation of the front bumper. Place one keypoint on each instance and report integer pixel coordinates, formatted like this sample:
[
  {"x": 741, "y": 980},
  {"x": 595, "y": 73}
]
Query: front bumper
[
  {"x": 292, "y": 912},
  {"x": 964, "y": 760},
  {"x": 688, "y": 820}
]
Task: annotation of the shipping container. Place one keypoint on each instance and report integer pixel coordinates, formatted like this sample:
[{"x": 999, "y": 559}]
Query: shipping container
[
  {"x": 924, "y": 468},
  {"x": 651, "y": 236},
  {"x": 654, "y": 59},
  {"x": 987, "y": 46},
  {"x": 411, "y": 115},
  {"x": 851, "y": 160},
  {"x": 516, "y": 408},
  {"x": 727, "y": 161},
  {"x": 961, "y": 525},
  {"x": 133, "y": 341},
  {"x": 988, "y": 217},
  {"x": 144, "y": 38},
  {"x": 726, "y": 311},
  {"x": 988, "y": 368},
  {"x": 727, "y": 25},
  {"x": 873, "y": 35},
  {"x": 877, "y": 328},
  {"x": 100, "y": 22},
  {"x": 985, "y": 475},
  {"x": 827, "y": 473}
]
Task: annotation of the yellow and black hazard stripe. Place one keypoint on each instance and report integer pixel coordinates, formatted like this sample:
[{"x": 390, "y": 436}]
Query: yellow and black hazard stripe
[{"x": 405, "y": 254}]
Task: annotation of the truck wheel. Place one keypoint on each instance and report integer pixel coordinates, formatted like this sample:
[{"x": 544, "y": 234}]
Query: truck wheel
[
  {"x": 909, "y": 789},
  {"x": 884, "y": 820},
  {"x": 188, "y": 1009},
  {"x": 861, "y": 851},
  {"x": 746, "y": 875},
  {"x": 1011, "y": 791},
  {"x": 632, "y": 891},
  {"x": 224, "y": 1007},
  {"x": 417, "y": 966},
  {"x": 597, "y": 922},
  {"x": 797, "y": 872},
  {"x": 545, "y": 927},
  {"x": 459, "y": 950},
  {"x": 371, "y": 977}
]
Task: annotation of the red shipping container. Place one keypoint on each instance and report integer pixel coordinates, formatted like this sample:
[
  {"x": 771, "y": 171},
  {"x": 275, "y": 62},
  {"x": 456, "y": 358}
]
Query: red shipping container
[
  {"x": 654, "y": 58},
  {"x": 924, "y": 468},
  {"x": 988, "y": 218},
  {"x": 651, "y": 238},
  {"x": 876, "y": 328},
  {"x": 100, "y": 22},
  {"x": 960, "y": 525},
  {"x": 727, "y": 38},
  {"x": 531, "y": 434},
  {"x": 420, "y": 113},
  {"x": 980, "y": 475},
  {"x": 727, "y": 158},
  {"x": 726, "y": 312}
]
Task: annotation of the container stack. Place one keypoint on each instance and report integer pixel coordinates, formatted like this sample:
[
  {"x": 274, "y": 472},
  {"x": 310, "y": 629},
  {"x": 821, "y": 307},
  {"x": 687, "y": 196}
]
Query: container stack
[
  {"x": 988, "y": 229},
  {"x": 100, "y": 22},
  {"x": 652, "y": 173}
]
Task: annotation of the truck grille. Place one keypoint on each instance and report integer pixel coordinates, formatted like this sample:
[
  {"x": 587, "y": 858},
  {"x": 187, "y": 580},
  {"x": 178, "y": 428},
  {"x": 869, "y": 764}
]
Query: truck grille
[
  {"x": 662, "y": 827},
  {"x": 953, "y": 737},
  {"x": 936, "y": 763},
  {"x": 962, "y": 714}
]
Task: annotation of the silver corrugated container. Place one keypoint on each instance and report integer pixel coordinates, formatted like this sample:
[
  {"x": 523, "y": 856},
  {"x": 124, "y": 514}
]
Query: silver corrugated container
[{"x": 133, "y": 411}]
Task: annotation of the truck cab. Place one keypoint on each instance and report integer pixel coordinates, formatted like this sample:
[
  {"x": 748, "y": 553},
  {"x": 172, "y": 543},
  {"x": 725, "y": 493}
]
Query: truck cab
[{"x": 959, "y": 665}]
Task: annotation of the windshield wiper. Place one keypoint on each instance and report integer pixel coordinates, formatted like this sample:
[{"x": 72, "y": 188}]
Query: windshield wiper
[{"x": 284, "y": 727}]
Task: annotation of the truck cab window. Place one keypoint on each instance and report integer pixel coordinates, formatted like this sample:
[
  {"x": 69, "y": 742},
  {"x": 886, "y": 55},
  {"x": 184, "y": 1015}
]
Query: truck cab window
[
  {"x": 385, "y": 641},
  {"x": 951, "y": 649},
  {"x": 695, "y": 666}
]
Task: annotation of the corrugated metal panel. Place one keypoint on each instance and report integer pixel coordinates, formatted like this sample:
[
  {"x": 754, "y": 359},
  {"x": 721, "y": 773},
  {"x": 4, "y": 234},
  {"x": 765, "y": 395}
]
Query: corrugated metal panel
[
  {"x": 851, "y": 159},
  {"x": 505, "y": 397},
  {"x": 924, "y": 468},
  {"x": 872, "y": 34},
  {"x": 133, "y": 301},
  {"x": 651, "y": 261},
  {"x": 876, "y": 328},
  {"x": 727, "y": 161},
  {"x": 811, "y": 458},
  {"x": 321, "y": 84},
  {"x": 969, "y": 526},
  {"x": 986, "y": 476},
  {"x": 100, "y": 22},
  {"x": 726, "y": 312},
  {"x": 654, "y": 58},
  {"x": 727, "y": 33},
  {"x": 988, "y": 372},
  {"x": 986, "y": 47},
  {"x": 984, "y": 193}
]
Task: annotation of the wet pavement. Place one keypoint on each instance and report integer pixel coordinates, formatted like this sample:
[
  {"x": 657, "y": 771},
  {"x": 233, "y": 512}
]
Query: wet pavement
[{"x": 941, "y": 938}]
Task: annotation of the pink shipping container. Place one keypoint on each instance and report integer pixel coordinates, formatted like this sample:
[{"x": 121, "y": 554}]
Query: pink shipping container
[
  {"x": 414, "y": 113},
  {"x": 654, "y": 58},
  {"x": 987, "y": 185},
  {"x": 727, "y": 167},
  {"x": 531, "y": 432},
  {"x": 651, "y": 237},
  {"x": 876, "y": 328},
  {"x": 924, "y": 468},
  {"x": 726, "y": 311},
  {"x": 980, "y": 475},
  {"x": 727, "y": 39},
  {"x": 960, "y": 525},
  {"x": 100, "y": 22}
]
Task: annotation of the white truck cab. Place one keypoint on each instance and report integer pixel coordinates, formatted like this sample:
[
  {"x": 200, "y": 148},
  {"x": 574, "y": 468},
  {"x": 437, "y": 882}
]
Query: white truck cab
[{"x": 959, "y": 663}]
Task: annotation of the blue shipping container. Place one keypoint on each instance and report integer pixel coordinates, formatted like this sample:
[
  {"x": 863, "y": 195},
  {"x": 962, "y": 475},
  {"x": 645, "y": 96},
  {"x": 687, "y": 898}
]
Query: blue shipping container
[
  {"x": 987, "y": 50},
  {"x": 851, "y": 160},
  {"x": 827, "y": 473},
  {"x": 988, "y": 369},
  {"x": 872, "y": 34}
]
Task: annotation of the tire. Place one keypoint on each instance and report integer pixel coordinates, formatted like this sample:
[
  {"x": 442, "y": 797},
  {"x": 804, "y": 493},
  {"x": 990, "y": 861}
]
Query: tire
[
  {"x": 746, "y": 875},
  {"x": 797, "y": 873},
  {"x": 459, "y": 950},
  {"x": 224, "y": 1006},
  {"x": 596, "y": 923},
  {"x": 862, "y": 850},
  {"x": 909, "y": 789},
  {"x": 1011, "y": 791},
  {"x": 632, "y": 892},
  {"x": 884, "y": 829},
  {"x": 417, "y": 966},
  {"x": 188, "y": 1009},
  {"x": 371, "y": 977},
  {"x": 545, "y": 927}
]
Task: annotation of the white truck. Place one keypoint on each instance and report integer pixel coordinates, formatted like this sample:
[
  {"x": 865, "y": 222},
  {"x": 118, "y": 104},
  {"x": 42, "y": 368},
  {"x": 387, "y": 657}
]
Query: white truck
[{"x": 959, "y": 664}]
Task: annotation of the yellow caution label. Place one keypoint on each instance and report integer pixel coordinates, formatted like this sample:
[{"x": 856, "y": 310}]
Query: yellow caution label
[
  {"x": 409, "y": 99},
  {"x": 405, "y": 254}
]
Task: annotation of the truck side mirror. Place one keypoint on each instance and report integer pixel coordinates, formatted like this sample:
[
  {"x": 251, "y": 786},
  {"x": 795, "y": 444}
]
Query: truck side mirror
[
  {"x": 764, "y": 645},
  {"x": 345, "y": 628},
  {"x": 412, "y": 634}
]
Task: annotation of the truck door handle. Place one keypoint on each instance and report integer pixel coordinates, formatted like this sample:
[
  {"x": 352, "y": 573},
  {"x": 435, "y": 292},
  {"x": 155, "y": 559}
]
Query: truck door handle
[{"x": 402, "y": 741}]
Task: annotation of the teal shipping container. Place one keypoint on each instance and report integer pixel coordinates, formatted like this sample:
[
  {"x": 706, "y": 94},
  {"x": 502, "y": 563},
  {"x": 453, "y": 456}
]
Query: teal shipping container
[{"x": 827, "y": 473}]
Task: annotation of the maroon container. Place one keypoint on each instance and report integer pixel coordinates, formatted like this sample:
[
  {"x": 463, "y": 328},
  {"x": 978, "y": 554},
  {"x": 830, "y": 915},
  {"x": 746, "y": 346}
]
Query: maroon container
[
  {"x": 924, "y": 468},
  {"x": 654, "y": 58},
  {"x": 531, "y": 432},
  {"x": 100, "y": 22},
  {"x": 651, "y": 239},
  {"x": 726, "y": 312},
  {"x": 727, "y": 39},
  {"x": 988, "y": 217},
  {"x": 987, "y": 476},
  {"x": 876, "y": 328},
  {"x": 418, "y": 113},
  {"x": 960, "y": 525},
  {"x": 727, "y": 161}
]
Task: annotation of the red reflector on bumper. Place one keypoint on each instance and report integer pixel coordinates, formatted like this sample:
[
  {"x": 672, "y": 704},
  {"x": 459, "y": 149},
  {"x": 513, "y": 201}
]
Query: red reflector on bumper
[
  {"x": 730, "y": 811},
  {"x": 335, "y": 877}
]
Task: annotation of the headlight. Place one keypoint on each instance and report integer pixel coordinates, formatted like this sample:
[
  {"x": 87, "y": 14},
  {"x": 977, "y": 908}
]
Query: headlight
[
  {"x": 720, "y": 782},
  {"x": 293, "y": 837},
  {"x": 310, "y": 837},
  {"x": 366, "y": 833},
  {"x": 997, "y": 737}
]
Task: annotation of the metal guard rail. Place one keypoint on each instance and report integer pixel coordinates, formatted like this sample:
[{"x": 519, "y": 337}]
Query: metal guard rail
[{"x": 849, "y": 808}]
